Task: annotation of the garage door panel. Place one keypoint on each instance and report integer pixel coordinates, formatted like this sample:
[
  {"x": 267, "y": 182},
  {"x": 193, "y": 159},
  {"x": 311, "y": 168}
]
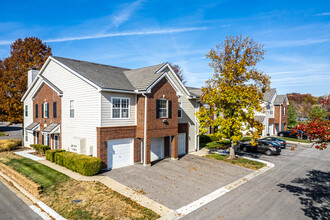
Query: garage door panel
[
  {"x": 157, "y": 149},
  {"x": 120, "y": 153},
  {"x": 181, "y": 144}
]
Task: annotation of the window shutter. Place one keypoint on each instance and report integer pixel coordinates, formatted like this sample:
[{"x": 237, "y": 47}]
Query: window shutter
[
  {"x": 54, "y": 110},
  {"x": 169, "y": 109},
  {"x": 36, "y": 109},
  {"x": 157, "y": 108},
  {"x": 42, "y": 110}
]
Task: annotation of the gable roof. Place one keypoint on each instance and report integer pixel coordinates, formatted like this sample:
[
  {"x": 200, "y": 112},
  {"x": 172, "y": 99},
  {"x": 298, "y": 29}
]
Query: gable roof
[
  {"x": 195, "y": 91},
  {"x": 279, "y": 99},
  {"x": 259, "y": 118},
  {"x": 142, "y": 78},
  {"x": 105, "y": 76},
  {"x": 268, "y": 95}
]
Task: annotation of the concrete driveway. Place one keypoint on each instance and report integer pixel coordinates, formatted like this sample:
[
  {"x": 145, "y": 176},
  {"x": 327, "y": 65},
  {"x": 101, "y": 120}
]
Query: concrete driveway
[{"x": 178, "y": 183}]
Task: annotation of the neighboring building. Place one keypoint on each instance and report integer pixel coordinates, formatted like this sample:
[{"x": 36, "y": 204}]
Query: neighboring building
[
  {"x": 120, "y": 115},
  {"x": 274, "y": 119}
]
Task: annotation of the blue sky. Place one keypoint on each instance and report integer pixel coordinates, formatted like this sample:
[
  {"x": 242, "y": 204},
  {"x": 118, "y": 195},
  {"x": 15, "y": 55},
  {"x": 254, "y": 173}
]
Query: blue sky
[{"x": 139, "y": 33}]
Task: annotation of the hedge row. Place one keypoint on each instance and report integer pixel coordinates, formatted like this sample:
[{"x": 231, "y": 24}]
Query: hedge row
[
  {"x": 85, "y": 165},
  {"x": 40, "y": 148},
  {"x": 208, "y": 138}
]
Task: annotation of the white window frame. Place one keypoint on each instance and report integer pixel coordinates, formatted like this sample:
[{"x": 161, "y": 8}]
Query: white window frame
[
  {"x": 46, "y": 139},
  {"x": 56, "y": 141},
  {"x": 46, "y": 104},
  {"x": 180, "y": 109},
  {"x": 26, "y": 136},
  {"x": 284, "y": 111},
  {"x": 120, "y": 108},
  {"x": 163, "y": 108},
  {"x": 26, "y": 111},
  {"x": 73, "y": 105}
]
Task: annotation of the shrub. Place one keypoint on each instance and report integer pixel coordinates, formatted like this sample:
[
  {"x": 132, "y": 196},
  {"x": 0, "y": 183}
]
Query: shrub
[
  {"x": 8, "y": 145},
  {"x": 40, "y": 148},
  {"x": 208, "y": 138},
  {"x": 85, "y": 165},
  {"x": 50, "y": 154},
  {"x": 204, "y": 139}
]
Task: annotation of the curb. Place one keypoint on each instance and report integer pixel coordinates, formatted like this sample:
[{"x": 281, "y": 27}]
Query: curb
[
  {"x": 300, "y": 143},
  {"x": 185, "y": 210},
  {"x": 43, "y": 207}
]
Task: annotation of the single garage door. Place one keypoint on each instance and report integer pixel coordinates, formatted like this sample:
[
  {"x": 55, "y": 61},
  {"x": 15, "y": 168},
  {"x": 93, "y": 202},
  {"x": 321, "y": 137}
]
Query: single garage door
[
  {"x": 157, "y": 148},
  {"x": 120, "y": 153},
  {"x": 181, "y": 144}
]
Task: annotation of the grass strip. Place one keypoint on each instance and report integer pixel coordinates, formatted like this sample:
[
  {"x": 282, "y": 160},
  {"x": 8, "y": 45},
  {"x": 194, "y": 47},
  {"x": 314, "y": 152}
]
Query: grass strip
[
  {"x": 243, "y": 162},
  {"x": 295, "y": 139}
]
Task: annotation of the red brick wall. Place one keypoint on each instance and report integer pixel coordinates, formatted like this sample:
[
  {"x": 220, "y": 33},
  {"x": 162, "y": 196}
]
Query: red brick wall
[
  {"x": 47, "y": 94},
  {"x": 110, "y": 133},
  {"x": 279, "y": 117}
]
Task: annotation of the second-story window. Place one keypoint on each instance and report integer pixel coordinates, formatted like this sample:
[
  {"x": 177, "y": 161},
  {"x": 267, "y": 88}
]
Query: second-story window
[
  {"x": 46, "y": 110},
  {"x": 284, "y": 111},
  {"x": 36, "y": 110},
  {"x": 120, "y": 107},
  {"x": 72, "y": 109},
  {"x": 162, "y": 106},
  {"x": 180, "y": 110},
  {"x": 26, "y": 111},
  {"x": 54, "y": 109}
]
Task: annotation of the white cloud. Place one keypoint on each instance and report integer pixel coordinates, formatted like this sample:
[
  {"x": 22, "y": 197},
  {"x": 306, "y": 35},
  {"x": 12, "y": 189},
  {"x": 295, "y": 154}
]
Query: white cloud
[
  {"x": 145, "y": 32},
  {"x": 5, "y": 42},
  {"x": 125, "y": 13},
  {"x": 323, "y": 14},
  {"x": 296, "y": 43}
]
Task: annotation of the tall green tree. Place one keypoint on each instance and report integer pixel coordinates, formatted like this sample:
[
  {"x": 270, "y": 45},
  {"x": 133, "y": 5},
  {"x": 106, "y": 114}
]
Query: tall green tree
[
  {"x": 236, "y": 90},
  {"x": 24, "y": 55},
  {"x": 292, "y": 115},
  {"x": 317, "y": 112}
]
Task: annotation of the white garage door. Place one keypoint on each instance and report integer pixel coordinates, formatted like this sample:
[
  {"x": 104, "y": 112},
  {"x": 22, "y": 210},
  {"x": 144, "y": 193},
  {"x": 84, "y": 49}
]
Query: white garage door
[
  {"x": 157, "y": 148},
  {"x": 181, "y": 144},
  {"x": 120, "y": 153}
]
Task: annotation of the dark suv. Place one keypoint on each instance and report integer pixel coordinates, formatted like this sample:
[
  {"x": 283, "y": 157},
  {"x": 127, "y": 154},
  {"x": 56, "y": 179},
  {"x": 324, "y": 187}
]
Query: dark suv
[
  {"x": 266, "y": 147},
  {"x": 279, "y": 141}
]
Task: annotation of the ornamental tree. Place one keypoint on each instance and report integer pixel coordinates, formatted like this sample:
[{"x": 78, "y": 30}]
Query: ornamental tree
[
  {"x": 318, "y": 130},
  {"x": 235, "y": 92},
  {"x": 24, "y": 55}
]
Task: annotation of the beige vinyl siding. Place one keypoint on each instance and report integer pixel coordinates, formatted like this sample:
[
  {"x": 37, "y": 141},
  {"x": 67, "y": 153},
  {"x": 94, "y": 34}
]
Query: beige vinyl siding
[
  {"x": 86, "y": 107},
  {"x": 173, "y": 78},
  {"x": 107, "y": 121}
]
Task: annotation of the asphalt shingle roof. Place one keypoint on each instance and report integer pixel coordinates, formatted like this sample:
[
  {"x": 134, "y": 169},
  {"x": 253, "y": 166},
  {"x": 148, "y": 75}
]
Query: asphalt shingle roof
[
  {"x": 142, "y": 78},
  {"x": 268, "y": 95},
  {"x": 32, "y": 126},
  {"x": 279, "y": 99},
  {"x": 105, "y": 76},
  {"x": 195, "y": 91}
]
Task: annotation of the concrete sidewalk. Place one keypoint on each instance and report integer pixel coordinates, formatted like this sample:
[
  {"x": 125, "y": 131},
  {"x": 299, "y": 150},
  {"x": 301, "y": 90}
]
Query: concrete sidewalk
[{"x": 114, "y": 185}]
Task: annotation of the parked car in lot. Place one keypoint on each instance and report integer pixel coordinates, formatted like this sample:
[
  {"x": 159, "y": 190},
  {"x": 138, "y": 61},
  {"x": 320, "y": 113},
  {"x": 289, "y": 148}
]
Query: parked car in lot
[
  {"x": 279, "y": 141},
  {"x": 266, "y": 147},
  {"x": 299, "y": 134}
]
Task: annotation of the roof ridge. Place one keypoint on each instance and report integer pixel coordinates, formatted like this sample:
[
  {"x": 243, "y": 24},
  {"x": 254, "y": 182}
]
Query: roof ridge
[
  {"x": 146, "y": 67},
  {"x": 125, "y": 69}
]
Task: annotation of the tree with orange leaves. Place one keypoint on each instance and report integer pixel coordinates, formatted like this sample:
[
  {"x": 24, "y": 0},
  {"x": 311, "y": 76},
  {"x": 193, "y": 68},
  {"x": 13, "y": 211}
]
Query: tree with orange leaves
[{"x": 24, "y": 55}]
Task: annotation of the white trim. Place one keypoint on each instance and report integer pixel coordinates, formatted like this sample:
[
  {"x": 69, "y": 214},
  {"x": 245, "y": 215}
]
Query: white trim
[
  {"x": 129, "y": 108},
  {"x": 148, "y": 90},
  {"x": 100, "y": 106},
  {"x": 74, "y": 107},
  {"x": 135, "y": 109},
  {"x": 42, "y": 82},
  {"x": 117, "y": 90},
  {"x": 180, "y": 109},
  {"x": 175, "y": 75},
  {"x": 163, "y": 99},
  {"x": 45, "y": 109}
]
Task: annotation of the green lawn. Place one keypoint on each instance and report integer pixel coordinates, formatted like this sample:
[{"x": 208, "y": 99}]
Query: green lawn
[
  {"x": 2, "y": 133},
  {"x": 238, "y": 161},
  {"x": 59, "y": 191},
  {"x": 295, "y": 139},
  {"x": 37, "y": 172}
]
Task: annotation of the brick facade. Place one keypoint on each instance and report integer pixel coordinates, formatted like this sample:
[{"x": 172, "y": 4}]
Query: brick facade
[
  {"x": 155, "y": 126},
  {"x": 47, "y": 94}
]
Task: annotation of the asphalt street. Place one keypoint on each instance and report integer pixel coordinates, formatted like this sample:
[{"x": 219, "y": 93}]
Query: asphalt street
[
  {"x": 11, "y": 207},
  {"x": 298, "y": 187},
  {"x": 14, "y": 131}
]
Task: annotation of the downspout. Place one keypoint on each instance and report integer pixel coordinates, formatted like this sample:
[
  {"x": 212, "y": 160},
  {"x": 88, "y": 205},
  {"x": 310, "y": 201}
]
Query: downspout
[{"x": 145, "y": 131}]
